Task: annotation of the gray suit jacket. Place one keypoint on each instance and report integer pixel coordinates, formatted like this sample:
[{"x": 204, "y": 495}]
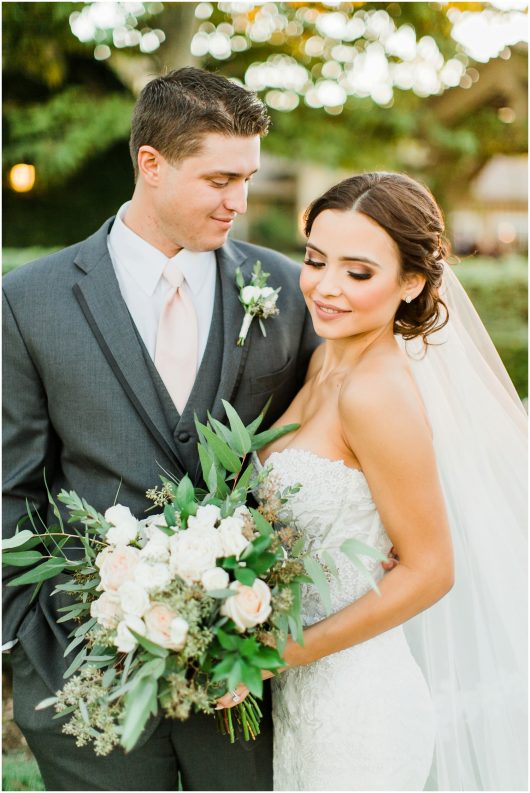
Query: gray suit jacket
[{"x": 83, "y": 400}]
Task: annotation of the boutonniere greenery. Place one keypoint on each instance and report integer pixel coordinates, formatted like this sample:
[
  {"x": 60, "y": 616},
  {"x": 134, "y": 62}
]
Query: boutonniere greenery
[{"x": 258, "y": 299}]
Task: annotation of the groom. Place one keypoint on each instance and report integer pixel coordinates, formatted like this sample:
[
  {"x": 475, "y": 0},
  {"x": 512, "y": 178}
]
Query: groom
[{"x": 111, "y": 347}]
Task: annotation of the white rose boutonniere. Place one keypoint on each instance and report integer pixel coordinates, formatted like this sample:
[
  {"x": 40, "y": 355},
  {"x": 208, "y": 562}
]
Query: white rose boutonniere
[{"x": 258, "y": 299}]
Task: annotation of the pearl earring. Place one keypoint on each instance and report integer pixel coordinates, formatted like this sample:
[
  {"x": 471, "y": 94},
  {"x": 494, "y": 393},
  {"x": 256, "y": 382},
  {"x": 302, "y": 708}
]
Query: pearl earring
[{"x": 408, "y": 299}]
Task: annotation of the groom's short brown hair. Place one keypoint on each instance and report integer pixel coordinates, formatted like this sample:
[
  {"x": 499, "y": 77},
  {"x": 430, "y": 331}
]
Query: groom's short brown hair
[{"x": 176, "y": 110}]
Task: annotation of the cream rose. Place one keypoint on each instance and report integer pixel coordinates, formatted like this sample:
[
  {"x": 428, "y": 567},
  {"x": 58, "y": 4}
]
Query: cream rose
[
  {"x": 206, "y": 517},
  {"x": 165, "y": 627},
  {"x": 125, "y": 641},
  {"x": 107, "y": 610},
  {"x": 118, "y": 566},
  {"x": 152, "y": 577},
  {"x": 157, "y": 547},
  {"x": 250, "y": 606},
  {"x": 149, "y": 526},
  {"x": 232, "y": 537},
  {"x": 215, "y": 578},
  {"x": 133, "y": 598},
  {"x": 250, "y": 293},
  {"x": 124, "y": 528},
  {"x": 193, "y": 552}
]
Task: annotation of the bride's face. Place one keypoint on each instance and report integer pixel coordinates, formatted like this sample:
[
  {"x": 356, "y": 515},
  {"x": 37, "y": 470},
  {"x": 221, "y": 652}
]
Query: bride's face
[{"x": 351, "y": 275}]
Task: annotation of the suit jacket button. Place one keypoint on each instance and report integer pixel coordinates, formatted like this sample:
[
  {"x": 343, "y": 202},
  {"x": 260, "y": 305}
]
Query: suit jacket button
[{"x": 183, "y": 437}]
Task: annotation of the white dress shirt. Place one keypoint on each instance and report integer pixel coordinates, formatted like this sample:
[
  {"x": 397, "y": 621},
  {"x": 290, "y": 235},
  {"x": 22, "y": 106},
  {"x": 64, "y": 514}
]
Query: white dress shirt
[{"x": 139, "y": 266}]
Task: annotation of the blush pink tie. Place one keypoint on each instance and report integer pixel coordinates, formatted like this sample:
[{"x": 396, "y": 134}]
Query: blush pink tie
[{"x": 177, "y": 340}]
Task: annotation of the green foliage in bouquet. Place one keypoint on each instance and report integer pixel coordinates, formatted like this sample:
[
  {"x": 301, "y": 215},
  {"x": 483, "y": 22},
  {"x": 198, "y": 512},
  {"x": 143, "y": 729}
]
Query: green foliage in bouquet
[{"x": 175, "y": 610}]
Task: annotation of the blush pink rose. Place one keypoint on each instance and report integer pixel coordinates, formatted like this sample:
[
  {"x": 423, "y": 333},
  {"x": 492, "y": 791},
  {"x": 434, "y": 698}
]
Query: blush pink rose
[
  {"x": 251, "y": 606},
  {"x": 118, "y": 567},
  {"x": 164, "y": 627}
]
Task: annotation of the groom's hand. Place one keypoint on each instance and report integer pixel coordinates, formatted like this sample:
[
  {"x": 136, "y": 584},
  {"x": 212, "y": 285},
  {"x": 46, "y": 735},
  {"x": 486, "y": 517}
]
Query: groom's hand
[
  {"x": 232, "y": 698},
  {"x": 393, "y": 560}
]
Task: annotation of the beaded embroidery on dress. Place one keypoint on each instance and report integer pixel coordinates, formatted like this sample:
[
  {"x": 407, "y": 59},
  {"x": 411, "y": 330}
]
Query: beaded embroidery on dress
[{"x": 362, "y": 718}]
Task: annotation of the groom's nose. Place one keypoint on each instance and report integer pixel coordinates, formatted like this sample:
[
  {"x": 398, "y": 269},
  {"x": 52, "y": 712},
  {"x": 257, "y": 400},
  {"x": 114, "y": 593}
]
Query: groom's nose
[{"x": 236, "y": 198}]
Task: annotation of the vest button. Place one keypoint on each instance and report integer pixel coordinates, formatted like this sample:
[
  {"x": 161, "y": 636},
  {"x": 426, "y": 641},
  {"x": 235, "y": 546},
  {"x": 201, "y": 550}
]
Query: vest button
[{"x": 183, "y": 437}]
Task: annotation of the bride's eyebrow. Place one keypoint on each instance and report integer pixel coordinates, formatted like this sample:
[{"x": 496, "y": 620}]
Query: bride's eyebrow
[{"x": 363, "y": 259}]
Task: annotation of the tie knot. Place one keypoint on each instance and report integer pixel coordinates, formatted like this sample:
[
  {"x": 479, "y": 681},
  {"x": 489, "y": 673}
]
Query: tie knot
[{"x": 173, "y": 274}]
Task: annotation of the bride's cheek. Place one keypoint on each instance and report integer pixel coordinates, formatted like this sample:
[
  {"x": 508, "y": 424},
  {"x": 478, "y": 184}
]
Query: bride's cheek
[{"x": 308, "y": 280}]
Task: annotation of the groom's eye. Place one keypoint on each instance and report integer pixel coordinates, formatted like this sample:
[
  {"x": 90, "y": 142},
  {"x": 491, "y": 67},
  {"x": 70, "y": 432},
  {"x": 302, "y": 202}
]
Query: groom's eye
[{"x": 219, "y": 184}]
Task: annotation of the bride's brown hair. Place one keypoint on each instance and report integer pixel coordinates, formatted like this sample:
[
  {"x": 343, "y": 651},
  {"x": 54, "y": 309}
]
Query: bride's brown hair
[{"x": 409, "y": 214}]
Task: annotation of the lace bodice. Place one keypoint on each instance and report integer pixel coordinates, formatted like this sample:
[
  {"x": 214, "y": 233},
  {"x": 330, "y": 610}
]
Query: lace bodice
[
  {"x": 361, "y": 718},
  {"x": 333, "y": 504}
]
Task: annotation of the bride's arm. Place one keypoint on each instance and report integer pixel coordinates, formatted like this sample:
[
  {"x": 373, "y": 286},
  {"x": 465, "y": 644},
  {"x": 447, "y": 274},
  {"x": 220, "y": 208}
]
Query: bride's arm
[{"x": 386, "y": 430}]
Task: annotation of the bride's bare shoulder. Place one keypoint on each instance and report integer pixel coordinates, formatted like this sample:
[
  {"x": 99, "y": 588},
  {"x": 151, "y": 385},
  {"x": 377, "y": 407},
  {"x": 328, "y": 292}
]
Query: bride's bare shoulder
[{"x": 381, "y": 388}]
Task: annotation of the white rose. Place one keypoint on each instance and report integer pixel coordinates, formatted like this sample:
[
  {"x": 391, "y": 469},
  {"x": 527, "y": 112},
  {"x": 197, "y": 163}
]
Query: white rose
[
  {"x": 232, "y": 538},
  {"x": 157, "y": 547},
  {"x": 123, "y": 534},
  {"x": 106, "y": 609},
  {"x": 118, "y": 566},
  {"x": 266, "y": 291},
  {"x": 119, "y": 514},
  {"x": 134, "y": 600},
  {"x": 178, "y": 633},
  {"x": 102, "y": 555},
  {"x": 148, "y": 526},
  {"x": 251, "y": 606},
  {"x": 124, "y": 640},
  {"x": 215, "y": 578},
  {"x": 193, "y": 552},
  {"x": 152, "y": 576},
  {"x": 249, "y": 294},
  {"x": 206, "y": 517}
]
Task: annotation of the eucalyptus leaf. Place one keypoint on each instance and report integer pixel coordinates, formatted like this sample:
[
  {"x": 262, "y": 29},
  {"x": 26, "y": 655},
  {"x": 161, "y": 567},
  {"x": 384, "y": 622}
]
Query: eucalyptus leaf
[
  {"x": 355, "y": 547},
  {"x": 21, "y": 558},
  {"x": 262, "y": 525},
  {"x": 268, "y": 436},
  {"x": 240, "y": 434},
  {"x": 318, "y": 576},
  {"x": 48, "y": 569},
  {"x": 222, "y": 451},
  {"x": 140, "y": 703},
  {"x": 19, "y": 539},
  {"x": 76, "y": 663},
  {"x": 46, "y": 703},
  {"x": 147, "y": 644},
  {"x": 245, "y": 575}
]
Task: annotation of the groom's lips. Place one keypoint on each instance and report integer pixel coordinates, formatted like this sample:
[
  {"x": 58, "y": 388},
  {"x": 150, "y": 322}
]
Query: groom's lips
[
  {"x": 224, "y": 222},
  {"x": 327, "y": 312}
]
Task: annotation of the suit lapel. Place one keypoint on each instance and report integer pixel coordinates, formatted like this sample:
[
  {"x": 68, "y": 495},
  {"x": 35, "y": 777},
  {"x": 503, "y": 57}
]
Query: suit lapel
[
  {"x": 234, "y": 357},
  {"x": 100, "y": 299}
]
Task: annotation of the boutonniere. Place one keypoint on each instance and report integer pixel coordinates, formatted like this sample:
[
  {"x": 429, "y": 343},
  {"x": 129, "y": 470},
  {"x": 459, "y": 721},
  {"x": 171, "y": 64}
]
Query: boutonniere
[{"x": 258, "y": 299}]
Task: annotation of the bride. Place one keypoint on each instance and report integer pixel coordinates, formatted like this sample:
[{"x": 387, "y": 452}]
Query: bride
[{"x": 410, "y": 436}]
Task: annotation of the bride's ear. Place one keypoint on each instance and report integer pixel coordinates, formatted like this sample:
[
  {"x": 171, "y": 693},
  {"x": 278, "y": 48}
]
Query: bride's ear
[{"x": 413, "y": 284}]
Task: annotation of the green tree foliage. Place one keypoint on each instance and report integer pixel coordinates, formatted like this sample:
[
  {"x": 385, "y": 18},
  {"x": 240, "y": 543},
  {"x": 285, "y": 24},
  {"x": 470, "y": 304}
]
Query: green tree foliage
[{"x": 62, "y": 105}]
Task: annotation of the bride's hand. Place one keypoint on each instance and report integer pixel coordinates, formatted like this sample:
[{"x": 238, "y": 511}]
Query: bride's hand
[{"x": 232, "y": 698}]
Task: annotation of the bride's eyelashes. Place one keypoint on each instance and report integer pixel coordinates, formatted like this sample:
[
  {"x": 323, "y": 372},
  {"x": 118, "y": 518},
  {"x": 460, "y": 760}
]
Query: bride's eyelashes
[{"x": 356, "y": 276}]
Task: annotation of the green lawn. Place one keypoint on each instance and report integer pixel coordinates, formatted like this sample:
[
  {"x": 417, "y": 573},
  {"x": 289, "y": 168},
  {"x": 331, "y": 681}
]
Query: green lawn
[{"x": 20, "y": 772}]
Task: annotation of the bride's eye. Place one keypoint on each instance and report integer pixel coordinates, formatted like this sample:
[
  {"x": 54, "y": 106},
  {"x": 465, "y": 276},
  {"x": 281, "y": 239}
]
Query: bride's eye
[
  {"x": 313, "y": 263},
  {"x": 360, "y": 276}
]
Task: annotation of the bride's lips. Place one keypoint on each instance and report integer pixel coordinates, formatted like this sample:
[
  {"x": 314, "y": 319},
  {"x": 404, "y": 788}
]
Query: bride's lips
[{"x": 327, "y": 312}]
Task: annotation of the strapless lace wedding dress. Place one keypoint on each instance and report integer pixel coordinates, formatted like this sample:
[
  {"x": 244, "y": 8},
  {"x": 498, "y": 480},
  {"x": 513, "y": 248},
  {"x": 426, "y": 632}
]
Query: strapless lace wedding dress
[{"x": 360, "y": 719}]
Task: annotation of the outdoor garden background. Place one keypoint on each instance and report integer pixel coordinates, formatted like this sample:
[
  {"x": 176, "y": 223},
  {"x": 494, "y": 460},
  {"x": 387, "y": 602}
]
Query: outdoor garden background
[{"x": 438, "y": 90}]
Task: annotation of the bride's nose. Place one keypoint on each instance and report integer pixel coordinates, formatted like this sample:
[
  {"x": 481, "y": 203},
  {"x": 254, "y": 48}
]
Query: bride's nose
[{"x": 328, "y": 283}]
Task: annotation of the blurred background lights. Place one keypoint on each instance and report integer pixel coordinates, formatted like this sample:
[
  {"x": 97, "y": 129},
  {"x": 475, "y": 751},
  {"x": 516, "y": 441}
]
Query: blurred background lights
[
  {"x": 506, "y": 115},
  {"x": 506, "y": 232},
  {"x": 22, "y": 177}
]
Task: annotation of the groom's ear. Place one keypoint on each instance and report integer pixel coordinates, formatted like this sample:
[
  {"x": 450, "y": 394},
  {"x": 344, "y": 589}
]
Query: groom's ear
[{"x": 149, "y": 162}]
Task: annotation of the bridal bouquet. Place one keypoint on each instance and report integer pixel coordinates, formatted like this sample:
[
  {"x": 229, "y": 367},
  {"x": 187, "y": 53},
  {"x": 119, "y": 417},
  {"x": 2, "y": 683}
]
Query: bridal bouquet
[{"x": 174, "y": 610}]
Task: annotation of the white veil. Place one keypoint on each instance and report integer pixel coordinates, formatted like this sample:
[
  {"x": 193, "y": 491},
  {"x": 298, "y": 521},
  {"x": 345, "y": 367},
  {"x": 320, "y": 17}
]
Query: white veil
[{"x": 472, "y": 645}]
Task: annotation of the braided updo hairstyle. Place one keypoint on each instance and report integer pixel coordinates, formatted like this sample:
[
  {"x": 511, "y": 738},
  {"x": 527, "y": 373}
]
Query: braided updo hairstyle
[{"x": 409, "y": 214}]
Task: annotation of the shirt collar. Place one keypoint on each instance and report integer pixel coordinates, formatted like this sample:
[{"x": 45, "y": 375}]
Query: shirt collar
[{"x": 145, "y": 263}]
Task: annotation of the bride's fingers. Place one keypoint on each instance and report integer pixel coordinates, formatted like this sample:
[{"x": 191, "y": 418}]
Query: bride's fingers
[{"x": 232, "y": 698}]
